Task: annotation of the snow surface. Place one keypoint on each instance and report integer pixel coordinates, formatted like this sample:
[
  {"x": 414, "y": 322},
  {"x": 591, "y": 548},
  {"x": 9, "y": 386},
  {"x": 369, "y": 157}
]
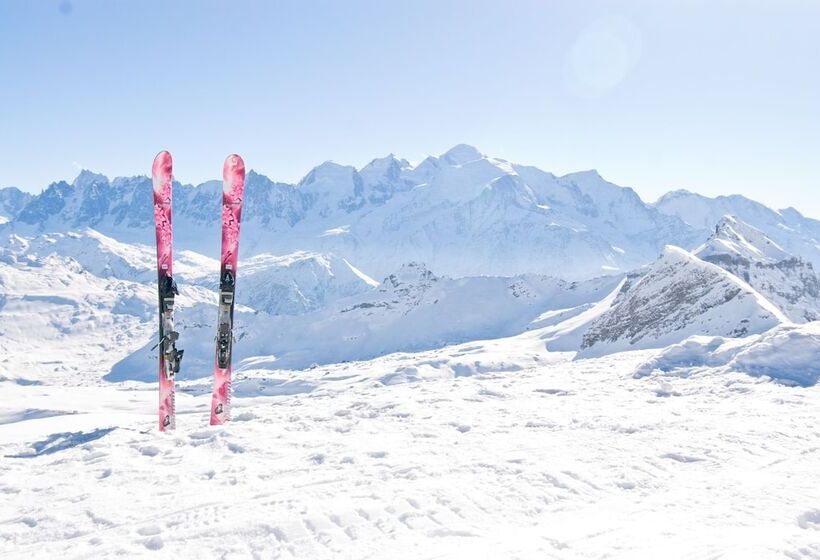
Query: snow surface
[
  {"x": 520, "y": 454},
  {"x": 789, "y": 353}
]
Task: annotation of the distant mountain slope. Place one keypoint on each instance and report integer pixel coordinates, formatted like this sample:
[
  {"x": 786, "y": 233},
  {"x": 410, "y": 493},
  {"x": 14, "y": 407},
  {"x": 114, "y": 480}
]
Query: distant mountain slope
[
  {"x": 414, "y": 309},
  {"x": 463, "y": 213},
  {"x": 788, "y": 228},
  {"x": 787, "y": 281},
  {"x": 12, "y": 201},
  {"x": 288, "y": 284},
  {"x": 678, "y": 296},
  {"x": 739, "y": 240},
  {"x": 300, "y": 282},
  {"x": 410, "y": 310}
]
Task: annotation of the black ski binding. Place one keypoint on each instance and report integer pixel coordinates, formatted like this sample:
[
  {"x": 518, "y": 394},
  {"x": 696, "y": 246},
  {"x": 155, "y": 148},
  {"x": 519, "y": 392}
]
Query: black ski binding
[{"x": 223, "y": 344}]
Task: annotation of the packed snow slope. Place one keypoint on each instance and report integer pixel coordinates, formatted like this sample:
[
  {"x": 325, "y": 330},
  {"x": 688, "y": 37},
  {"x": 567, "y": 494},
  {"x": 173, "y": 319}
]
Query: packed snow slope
[{"x": 483, "y": 450}]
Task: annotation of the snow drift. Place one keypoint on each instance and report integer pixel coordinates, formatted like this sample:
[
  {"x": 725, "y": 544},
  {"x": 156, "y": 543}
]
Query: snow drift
[{"x": 788, "y": 353}]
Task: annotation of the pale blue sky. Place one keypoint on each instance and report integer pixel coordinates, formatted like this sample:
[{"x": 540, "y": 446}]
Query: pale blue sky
[{"x": 715, "y": 96}]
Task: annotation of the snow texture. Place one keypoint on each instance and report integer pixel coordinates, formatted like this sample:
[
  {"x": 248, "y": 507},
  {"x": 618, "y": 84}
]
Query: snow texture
[
  {"x": 789, "y": 353},
  {"x": 483, "y": 450}
]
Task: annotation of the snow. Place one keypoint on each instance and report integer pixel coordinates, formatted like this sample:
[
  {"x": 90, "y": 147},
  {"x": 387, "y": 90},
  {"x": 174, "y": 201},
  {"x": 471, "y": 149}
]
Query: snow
[
  {"x": 740, "y": 240},
  {"x": 361, "y": 275},
  {"x": 462, "y": 213},
  {"x": 563, "y": 459},
  {"x": 789, "y": 353},
  {"x": 787, "y": 281},
  {"x": 679, "y": 296},
  {"x": 790, "y": 230}
]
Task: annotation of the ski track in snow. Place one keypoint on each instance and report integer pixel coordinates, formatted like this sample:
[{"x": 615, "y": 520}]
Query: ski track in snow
[{"x": 565, "y": 460}]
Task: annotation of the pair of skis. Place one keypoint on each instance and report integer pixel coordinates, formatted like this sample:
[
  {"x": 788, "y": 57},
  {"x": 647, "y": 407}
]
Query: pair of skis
[{"x": 233, "y": 176}]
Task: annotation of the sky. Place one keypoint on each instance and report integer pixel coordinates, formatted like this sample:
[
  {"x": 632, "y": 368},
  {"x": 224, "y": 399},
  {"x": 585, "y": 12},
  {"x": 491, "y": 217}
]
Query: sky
[{"x": 718, "y": 97}]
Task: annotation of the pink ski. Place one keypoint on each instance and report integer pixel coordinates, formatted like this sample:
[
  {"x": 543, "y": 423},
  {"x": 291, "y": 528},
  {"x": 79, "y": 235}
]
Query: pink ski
[
  {"x": 169, "y": 356},
  {"x": 233, "y": 188}
]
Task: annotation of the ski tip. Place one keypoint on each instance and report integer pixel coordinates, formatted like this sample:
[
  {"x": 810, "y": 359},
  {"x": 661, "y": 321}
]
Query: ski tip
[
  {"x": 234, "y": 165},
  {"x": 163, "y": 164}
]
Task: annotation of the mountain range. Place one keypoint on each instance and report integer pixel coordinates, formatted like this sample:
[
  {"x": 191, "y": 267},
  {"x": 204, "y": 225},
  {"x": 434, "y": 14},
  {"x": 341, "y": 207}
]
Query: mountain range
[{"x": 350, "y": 264}]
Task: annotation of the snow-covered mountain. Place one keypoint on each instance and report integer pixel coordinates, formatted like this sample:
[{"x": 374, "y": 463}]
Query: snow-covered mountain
[
  {"x": 409, "y": 311},
  {"x": 12, "y": 201},
  {"x": 740, "y": 241},
  {"x": 787, "y": 281},
  {"x": 678, "y": 296},
  {"x": 788, "y": 228},
  {"x": 288, "y": 284},
  {"x": 300, "y": 282},
  {"x": 310, "y": 252},
  {"x": 60, "y": 323},
  {"x": 462, "y": 213}
]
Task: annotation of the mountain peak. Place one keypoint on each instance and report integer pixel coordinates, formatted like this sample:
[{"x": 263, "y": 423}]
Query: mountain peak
[
  {"x": 461, "y": 154},
  {"x": 87, "y": 178},
  {"x": 673, "y": 254},
  {"x": 736, "y": 239},
  {"x": 588, "y": 175},
  {"x": 412, "y": 273},
  {"x": 330, "y": 172},
  {"x": 678, "y": 296},
  {"x": 384, "y": 165}
]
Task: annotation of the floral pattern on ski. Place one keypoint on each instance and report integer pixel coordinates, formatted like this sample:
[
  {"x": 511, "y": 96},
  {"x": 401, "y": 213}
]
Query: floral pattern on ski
[
  {"x": 233, "y": 188},
  {"x": 162, "y": 175}
]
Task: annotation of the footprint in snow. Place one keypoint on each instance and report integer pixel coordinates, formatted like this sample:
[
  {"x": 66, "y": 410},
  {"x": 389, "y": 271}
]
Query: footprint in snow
[
  {"x": 235, "y": 448},
  {"x": 149, "y": 530},
  {"x": 556, "y": 392},
  {"x": 809, "y": 520},
  {"x": 154, "y": 543},
  {"x": 681, "y": 458},
  {"x": 463, "y": 428}
]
